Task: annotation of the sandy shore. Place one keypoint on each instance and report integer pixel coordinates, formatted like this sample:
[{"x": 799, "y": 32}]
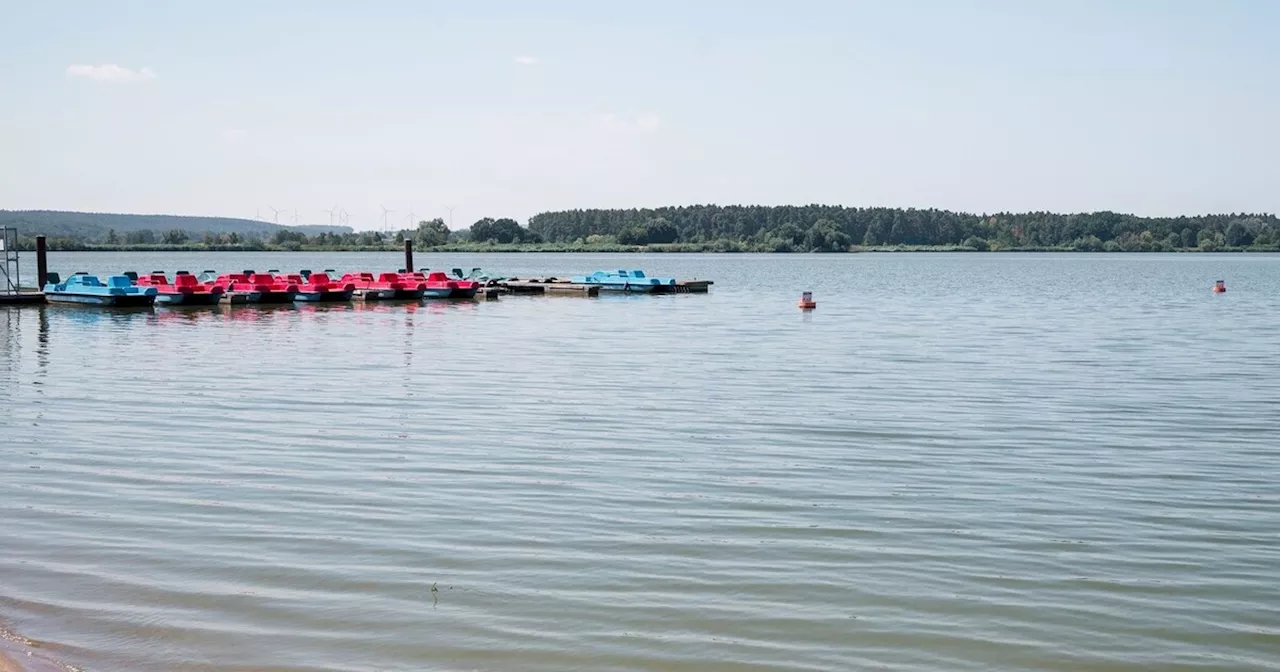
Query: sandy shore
[
  {"x": 14, "y": 657},
  {"x": 9, "y": 664}
]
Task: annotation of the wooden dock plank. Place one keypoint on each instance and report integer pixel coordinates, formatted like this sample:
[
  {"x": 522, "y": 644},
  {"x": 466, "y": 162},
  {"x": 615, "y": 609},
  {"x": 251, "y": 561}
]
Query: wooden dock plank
[
  {"x": 685, "y": 287},
  {"x": 23, "y": 297},
  {"x": 571, "y": 288},
  {"x": 551, "y": 286}
]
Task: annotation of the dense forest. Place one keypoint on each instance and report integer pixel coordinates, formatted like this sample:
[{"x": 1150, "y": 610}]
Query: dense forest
[
  {"x": 812, "y": 228},
  {"x": 836, "y": 228}
]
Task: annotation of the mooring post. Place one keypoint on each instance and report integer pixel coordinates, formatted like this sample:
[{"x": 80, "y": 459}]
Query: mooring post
[
  {"x": 408, "y": 255},
  {"x": 42, "y": 262}
]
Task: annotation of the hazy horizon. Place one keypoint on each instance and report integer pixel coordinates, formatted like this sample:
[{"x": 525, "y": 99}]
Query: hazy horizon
[{"x": 503, "y": 110}]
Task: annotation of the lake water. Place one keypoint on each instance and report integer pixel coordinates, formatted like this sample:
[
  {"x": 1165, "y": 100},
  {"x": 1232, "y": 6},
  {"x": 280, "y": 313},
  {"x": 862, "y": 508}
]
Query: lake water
[{"x": 957, "y": 462}]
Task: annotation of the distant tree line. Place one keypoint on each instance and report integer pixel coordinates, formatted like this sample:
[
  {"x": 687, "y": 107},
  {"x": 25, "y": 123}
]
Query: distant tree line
[
  {"x": 179, "y": 239},
  {"x": 812, "y": 228},
  {"x": 428, "y": 234},
  {"x": 836, "y": 228},
  {"x": 94, "y": 226}
]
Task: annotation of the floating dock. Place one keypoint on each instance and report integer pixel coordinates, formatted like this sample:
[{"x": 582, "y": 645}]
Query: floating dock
[
  {"x": 371, "y": 295},
  {"x": 10, "y": 294},
  {"x": 553, "y": 285},
  {"x": 548, "y": 286},
  {"x": 22, "y": 297},
  {"x": 531, "y": 286},
  {"x": 235, "y": 299},
  {"x": 685, "y": 287}
]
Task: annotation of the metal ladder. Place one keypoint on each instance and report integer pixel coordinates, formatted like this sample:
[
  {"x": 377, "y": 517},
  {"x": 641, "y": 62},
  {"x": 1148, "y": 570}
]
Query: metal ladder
[{"x": 9, "y": 272}]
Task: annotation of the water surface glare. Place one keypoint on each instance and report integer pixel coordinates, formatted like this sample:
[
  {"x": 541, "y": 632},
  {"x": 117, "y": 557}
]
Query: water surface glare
[{"x": 958, "y": 462}]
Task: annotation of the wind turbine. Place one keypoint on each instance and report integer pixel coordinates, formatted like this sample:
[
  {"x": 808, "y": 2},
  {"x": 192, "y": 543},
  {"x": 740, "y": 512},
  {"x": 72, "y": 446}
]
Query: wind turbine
[
  {"x": 331, "y": 211},
  {"x": 411, "y": 216},
  {"x": 257, "y": 214},
  {"x": 450, "y": 209},
  {"x": 344, "y": 217},
  {"x": 276, "y": 216},
  {"x": 385, "y": 227},
  {"x": 295, "y": 216}
]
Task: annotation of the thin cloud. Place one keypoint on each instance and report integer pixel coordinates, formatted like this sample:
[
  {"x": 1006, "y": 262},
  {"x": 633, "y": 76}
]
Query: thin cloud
[
  {"x": 526, "y": 60},
  {"x": 234, "y": 133},
  {"x": 110, "y": 72}
]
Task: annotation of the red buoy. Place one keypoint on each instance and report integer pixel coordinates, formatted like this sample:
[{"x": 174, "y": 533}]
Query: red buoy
[
  {"x": 1219, "y": 287},
  {"x": 807, "y": 302}
]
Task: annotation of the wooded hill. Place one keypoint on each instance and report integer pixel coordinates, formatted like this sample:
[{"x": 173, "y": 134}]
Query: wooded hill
[{"x": 96, "y": 227}]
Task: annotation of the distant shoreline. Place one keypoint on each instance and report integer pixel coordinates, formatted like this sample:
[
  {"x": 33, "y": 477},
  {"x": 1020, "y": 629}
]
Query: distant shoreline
[{"x": 695, "y": 228}]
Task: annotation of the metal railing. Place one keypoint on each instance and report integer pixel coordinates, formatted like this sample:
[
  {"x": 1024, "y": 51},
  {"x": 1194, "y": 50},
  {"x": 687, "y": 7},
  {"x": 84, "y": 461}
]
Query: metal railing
[{"x": 9, "y": 271}]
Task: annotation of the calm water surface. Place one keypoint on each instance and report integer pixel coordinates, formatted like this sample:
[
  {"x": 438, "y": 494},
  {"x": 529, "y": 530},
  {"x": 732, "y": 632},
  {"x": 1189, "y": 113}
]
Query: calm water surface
[{"x": 958, "y": 462}]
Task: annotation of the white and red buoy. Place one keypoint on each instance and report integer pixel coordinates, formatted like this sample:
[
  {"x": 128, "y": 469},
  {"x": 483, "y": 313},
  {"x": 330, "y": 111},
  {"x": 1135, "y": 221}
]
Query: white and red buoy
[{"x": 806, "y": 301}]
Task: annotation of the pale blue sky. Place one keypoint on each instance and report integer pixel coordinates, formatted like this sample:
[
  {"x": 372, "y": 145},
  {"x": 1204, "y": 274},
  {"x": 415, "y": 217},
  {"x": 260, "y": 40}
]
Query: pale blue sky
[{"x": 509, "y": 109}]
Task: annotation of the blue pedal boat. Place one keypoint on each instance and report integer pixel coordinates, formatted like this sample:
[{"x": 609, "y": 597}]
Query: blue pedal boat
[
  {"x": 623, "y": 281},
  {"x": 119, "y": 290}
]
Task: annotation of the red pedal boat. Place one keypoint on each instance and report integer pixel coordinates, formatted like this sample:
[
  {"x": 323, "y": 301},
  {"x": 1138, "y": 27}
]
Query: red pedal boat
[
  {"x": 441, "y": 286},
  {"x": 388, "y": 285},
  {"x": 185, "y": 290},
  {"x": 269, "y": 290},
  {"x": 318, "y": 287}
]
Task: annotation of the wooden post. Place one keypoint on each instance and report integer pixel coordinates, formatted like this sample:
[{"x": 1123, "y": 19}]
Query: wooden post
[
  {"x": 408, "y": 255},
  {"x": 42, "y": 262}
]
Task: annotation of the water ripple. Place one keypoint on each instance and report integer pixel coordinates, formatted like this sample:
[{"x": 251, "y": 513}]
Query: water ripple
[{"x": 960, "y": 462}]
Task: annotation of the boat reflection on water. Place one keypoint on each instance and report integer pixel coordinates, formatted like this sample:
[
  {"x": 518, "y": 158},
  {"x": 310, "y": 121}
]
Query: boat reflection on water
[
  {"x": 257, "y": 312},
  {"x": 97, "y": 315},
  {"x": 184, "y": 314},
  {"x": 313, "y": 308},
  {"x": 438, "y": 307},
  {"x": 433, "y": 307}
]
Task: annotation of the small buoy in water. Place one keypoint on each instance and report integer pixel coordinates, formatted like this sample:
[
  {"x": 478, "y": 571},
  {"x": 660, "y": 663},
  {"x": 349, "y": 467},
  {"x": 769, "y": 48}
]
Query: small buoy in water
[
  {"x": 1219, "y": 287},
  {"x": 807, "y": 302}
]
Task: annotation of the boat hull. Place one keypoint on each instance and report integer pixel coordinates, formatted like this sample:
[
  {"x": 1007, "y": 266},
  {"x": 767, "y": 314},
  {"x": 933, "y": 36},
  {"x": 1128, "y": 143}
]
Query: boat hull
[
  {"x": 121, "y": 300},
  {"x": 236, "y": 298},
  {"x": 275, "y": 297},
  {"x": 323, "y": 297},
  {"x": 450, "y": 292},
  {"x": 633, "y": 282},
  {"x": 195, "y": 299},
  {"x": 391, "y": 294},
  {"x": 629, "y": 288}
]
